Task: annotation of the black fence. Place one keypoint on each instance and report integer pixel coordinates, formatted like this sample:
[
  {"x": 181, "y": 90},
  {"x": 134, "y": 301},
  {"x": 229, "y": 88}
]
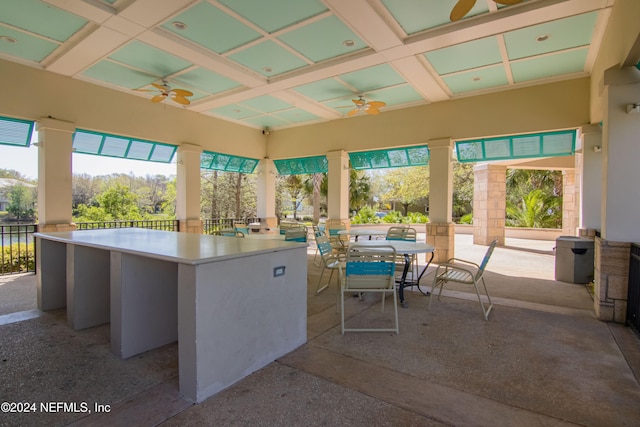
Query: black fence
[
  {"x": 166, "y": 225},
  {"x": 18, "y": 249},
  {"x": 211, "y": 225},
  {"x": 633, "y": 296}
]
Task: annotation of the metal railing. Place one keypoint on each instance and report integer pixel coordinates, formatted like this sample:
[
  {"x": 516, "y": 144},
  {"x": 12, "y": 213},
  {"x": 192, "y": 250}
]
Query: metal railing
[
  {"x": 163, "y": 224},
  {"x": 215, "y": 224},
  {"x": 633, "y": 295},
  {"x": 18, "y": 249}
]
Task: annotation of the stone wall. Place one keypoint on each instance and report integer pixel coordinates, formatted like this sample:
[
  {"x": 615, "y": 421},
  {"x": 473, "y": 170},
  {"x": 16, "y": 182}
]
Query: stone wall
[{"x": 611, "y": 273}]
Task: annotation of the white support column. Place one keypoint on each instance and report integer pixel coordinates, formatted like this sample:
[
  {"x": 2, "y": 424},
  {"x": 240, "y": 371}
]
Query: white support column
[
  {"x": 591, "y": 180},
  {"x": 266, "y": 197},
  {"x": 188, "y": 188},
  {"x": 338, "y": 197},
  {"x": 440, "y": 229},
  {"x": 55, "y": 140}
]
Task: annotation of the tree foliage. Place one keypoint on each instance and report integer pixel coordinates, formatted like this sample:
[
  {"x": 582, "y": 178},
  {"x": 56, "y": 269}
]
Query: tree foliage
[
  {"x": 21, "y": 202},
  {"x": 405, "y": 186}
]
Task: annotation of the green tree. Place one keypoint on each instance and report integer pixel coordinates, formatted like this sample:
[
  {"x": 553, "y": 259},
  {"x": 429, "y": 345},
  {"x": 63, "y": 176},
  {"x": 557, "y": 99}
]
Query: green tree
[
  {"x": 120, "y": 203},
  {"x": 535, "y": 210},
  {"x": 20, "y": 202},
  {"x": 407, "y": 186},
  {"x": 462, "y": 189}
]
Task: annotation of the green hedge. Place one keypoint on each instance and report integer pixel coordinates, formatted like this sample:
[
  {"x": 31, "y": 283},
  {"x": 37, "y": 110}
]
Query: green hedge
[{"x": 18, "y": 258}]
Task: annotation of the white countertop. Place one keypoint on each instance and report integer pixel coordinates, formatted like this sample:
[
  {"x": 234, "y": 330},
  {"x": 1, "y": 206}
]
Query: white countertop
[{"x": 186, "y": 248}]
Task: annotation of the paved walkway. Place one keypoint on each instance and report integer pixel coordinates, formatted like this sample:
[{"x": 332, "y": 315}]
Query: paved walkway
[{"x": 541, "y": 359}]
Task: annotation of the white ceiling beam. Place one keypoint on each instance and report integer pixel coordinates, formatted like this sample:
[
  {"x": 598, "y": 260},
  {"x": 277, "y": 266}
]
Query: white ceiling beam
[
  {"x": 150, "y": 13},
  {"x": 412, "y": 70}
]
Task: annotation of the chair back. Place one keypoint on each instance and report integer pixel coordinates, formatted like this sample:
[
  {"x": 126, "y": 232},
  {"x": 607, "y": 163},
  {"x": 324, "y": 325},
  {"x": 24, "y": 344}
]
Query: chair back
[
  {"x": 324, "y": 245},
  {"x": 296, "y": 234},
  {"x": 485, "y": 260},
  {"x": 242, "y": 228},
  {"x": 370, "y": 267},
  {"x": 402, "y": 233}
]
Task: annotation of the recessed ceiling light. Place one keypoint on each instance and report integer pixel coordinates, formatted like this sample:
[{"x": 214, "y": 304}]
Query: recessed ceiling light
[
  {"x": 543, "y": 38},
  {"x": 267, "y": 69},
  {"x": 179, "y": 25},
  {"x": 8, "y": 39},
  {"x": 349, "y": 43},
  {"x": 476, "y": 79}
]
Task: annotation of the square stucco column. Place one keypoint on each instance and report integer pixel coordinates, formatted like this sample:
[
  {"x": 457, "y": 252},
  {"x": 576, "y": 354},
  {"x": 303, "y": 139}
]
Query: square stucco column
[
  {"x": 55, "y": 140},
  {"x": 188, "y": 188},
  {"x": 338, "y": 186},
  {"x": 440, "y": 229},
  {"x": 590, "y": 180},
  {"x": 266, "y": 193},
  {"x": 569, "y": 203},
  {"x": 489, "y": 203}
]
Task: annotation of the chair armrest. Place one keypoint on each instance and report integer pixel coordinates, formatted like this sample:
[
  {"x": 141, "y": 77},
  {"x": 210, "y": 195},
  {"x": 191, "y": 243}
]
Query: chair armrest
[
  {"x": 448, "y": 266},
  {"x": 463, "y": 261}
]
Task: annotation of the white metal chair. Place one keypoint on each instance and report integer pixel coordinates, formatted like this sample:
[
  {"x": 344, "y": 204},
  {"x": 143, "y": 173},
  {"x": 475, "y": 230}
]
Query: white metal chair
[
  {"x": 410, "y": 235},
  {"x": 461, "y": 271},
  {"x": 242, "y": 227},
  {"x": 338, "y": 241},
  {"x": 369, "y": 268},
  {"x": 331, "y": 260},
  {"x": 296, "y": 234}
]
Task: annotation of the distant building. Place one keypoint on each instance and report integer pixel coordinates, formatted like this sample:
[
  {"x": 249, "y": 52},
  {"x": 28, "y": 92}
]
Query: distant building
[{"x": 6, "y": 184}]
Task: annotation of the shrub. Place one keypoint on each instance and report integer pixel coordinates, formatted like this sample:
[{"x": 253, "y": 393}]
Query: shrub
[
  {"x": 393, "y": 217},
  {"x": 18, "y": 257},
  {"x": 416, "y": 218},
  {"x": 466, "y": 219},
  {"x": 366, "y": 215}
]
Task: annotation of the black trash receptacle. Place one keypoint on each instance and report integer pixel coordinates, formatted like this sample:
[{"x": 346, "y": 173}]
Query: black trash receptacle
[{"x": 574, "y": 259}]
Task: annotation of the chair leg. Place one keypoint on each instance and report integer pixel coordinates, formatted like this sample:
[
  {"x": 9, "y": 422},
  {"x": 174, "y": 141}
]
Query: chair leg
[
  {"x": 318, "y": 287},
  {"x": 342, "y": 306},
  {"x": 486, "y": 311}
]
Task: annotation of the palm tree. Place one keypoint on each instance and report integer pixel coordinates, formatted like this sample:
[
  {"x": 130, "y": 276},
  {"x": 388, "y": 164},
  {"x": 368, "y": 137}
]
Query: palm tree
[{"x": 535, "y": 210}]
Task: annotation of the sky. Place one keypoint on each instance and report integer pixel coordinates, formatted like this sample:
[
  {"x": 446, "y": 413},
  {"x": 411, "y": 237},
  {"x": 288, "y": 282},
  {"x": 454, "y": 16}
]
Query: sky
[{"x": 25, "y": 161}]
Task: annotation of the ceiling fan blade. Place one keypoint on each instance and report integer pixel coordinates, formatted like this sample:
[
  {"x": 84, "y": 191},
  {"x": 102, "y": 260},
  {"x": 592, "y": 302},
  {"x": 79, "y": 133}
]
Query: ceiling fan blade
[
  {"x": 159, "y": 87},
  {"x": 180, "y": 99},
  {"x": 352, "y": 113},
  {"x": 372, "y": 110},
  {"x": 377, "y": 104},
  {"x": 507, "y": 1},
  {"x": 182, "y": 92},
  {"x": 461, "y": 9},
  {"x": 359, "y": 102},
  {"x": 158, "y": 98}
]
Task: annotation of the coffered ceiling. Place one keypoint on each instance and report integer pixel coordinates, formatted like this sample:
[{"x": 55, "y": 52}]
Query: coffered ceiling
[{"x": 282, "y": 63}]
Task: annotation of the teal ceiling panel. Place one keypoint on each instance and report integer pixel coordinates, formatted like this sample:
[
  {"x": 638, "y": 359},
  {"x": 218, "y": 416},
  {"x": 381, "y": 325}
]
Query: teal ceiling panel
[
  {"x": 234, "y": 111},
  {"x": 296, "y": 115},
  {"x": 549, "y": 65},
  {"x": 201, "y": 18},
  {"x": 465, "y": 56},
  {"x": 418, "y": 15},
  {"x": 269, "y": 15},
  {"x": 227, "y": 163},
  {"x": 302, "y": 165},
  {"x": 206, "y": 80},
  {"x": 120, "y": 75},
  {"x": 324, "y": 90},
  {"x": 266, "y": 121},
  {"x": 103, "y": 144},
  {"x": 140, "y": 55},
  {"x": 547, "y": 144},
  {"x": 15, "y": 131},
  {"x": 393, "y": 158},
  {"x": 333, "y": 33},
  {"x": 396, "y": 95},
  {"x": 557, "y": 35},
  {"x": 373, "y": 78},
  {"x": 24, "y": 45},
  {"x": 483, "y": 78},
  {"x": 268, "y": 59},
  {"x": 266, "y": 104},
  {"x": 41, "y": 18}
]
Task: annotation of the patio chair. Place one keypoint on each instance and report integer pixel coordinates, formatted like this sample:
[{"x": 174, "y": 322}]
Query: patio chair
[
  {"x": 230, "y": 232},
  {"x": 316, "y": 233},
  {"x": 296, "y": 234},
  {"x": 242, "y": 227},
  {"x": 339, "y": 242},
  {"x": 408, "y": 234},
  {"x": 369, "y": 268},
  {"x": 331, "y": 260},
  {"x": 456, "y": 270}
]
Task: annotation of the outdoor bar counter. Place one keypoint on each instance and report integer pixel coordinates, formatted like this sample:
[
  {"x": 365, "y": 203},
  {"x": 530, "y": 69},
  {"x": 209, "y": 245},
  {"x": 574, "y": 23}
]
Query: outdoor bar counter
[{"x": 234, "y": 305}]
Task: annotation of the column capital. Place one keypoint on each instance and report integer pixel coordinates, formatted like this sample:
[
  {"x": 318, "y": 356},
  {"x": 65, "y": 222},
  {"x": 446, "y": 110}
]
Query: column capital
[
  {"x": 189, "y": 148},
  {"x": 489, "y": 167},
  {"x": 590, "y": 129},
  {"x": 440, "y": 143},
  {"x": 337, "y": 154},
  {"x": 55, "y": 124}
]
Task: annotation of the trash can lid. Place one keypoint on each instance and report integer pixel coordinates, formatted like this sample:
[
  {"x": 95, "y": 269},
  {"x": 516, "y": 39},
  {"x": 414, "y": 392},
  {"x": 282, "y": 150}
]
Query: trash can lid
[{"x": 574, "y": 242}]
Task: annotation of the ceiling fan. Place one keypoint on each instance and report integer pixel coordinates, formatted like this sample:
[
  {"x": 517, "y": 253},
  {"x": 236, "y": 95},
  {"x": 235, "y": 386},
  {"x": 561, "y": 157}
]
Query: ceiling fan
[
  {"x": 464, "y": 6},
  {"x": 371, "y": 107},
  {"x": 166, "y": 91}
]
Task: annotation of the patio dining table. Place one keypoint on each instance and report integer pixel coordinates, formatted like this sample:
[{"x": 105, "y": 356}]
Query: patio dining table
[
  {"x": 357, "y": 232},
  {"x": 407, "y": 248}
]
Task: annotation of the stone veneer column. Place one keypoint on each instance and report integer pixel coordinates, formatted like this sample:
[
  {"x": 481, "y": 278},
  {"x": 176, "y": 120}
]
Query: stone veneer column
[
  {"x": 55, "y": 140},
  {"x": 489, "y": 204},
  {"x": 569, "y": 206},
  {"x": 611, "y": 273},
  {"x": 188, "y": 188},
  {"x": 440, "y": 229}
]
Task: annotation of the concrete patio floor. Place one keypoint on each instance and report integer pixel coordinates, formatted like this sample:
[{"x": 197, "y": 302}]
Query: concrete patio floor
[{"x": 541, "y": 359}]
